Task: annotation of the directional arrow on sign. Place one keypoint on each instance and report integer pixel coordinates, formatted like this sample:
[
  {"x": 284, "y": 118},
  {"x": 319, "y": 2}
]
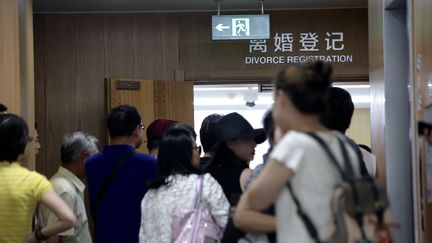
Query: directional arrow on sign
[{"x": 222, "y": 27}]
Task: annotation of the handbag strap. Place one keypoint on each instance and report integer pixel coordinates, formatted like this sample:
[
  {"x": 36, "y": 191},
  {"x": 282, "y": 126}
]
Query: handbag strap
[
  {"x": 104, "y": 188},
  {"x": 199, "y": 188}
]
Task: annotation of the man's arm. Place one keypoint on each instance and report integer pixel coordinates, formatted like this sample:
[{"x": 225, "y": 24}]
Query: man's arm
[
  {"x": 70, "y": 200},
  {"x": 66, "y": 218}
]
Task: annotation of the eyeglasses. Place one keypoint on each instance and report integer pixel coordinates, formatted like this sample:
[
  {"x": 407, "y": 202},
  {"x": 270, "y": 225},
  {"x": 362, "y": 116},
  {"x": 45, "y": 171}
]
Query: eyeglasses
[
  {"x": 197, "y": 148},
  {"x": 141, "y": 126}
]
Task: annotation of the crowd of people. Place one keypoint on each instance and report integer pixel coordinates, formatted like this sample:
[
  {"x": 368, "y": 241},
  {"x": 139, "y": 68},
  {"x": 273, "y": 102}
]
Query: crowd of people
[{"x": 176, "y": 193}]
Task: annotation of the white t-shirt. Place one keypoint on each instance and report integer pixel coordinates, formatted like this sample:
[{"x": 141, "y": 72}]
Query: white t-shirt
[
  {"x": 370, "y": 162},
  {"x": 314, "y": 179}
]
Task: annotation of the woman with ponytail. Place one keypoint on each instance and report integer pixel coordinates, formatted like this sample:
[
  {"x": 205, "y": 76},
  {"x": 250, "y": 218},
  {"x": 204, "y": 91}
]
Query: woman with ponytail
[{"x": 297, "y": 159}]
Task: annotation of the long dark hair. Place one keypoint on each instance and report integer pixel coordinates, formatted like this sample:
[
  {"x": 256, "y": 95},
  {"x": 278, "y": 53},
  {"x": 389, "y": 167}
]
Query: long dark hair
[{"x": 174, "y": 156}]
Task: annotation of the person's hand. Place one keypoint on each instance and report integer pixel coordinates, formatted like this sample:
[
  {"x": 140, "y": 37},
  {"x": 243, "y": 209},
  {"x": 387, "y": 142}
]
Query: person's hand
[{"x": 31, "y": 238}]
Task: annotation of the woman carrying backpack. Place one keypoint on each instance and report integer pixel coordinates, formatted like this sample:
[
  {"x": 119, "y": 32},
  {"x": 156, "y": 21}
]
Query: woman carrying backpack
[{"x": 297, "y": 158}]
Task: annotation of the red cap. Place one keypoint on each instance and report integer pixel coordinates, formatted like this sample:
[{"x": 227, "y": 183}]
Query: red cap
[{"x": 158, "y": 127}]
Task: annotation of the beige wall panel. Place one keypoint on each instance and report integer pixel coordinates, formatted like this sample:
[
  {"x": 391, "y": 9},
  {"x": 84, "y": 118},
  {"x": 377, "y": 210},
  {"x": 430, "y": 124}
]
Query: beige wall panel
[
  {"x": 27, "y": 80},
  {"x": 10, "y": 56},
  {"x": 360, "y": 128},
  {"x": 16, "y": 64}
]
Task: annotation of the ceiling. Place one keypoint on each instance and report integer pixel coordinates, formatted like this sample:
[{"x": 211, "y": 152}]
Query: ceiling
[{"x": 42, "y": 6}]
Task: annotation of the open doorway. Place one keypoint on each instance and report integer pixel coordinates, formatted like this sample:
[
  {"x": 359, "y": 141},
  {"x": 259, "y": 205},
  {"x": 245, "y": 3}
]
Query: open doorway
[{"x": 253, "y": 100}]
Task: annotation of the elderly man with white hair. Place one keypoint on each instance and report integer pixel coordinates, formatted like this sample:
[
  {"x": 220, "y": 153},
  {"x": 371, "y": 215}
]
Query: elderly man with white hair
[{"x": 77, "y": 147}]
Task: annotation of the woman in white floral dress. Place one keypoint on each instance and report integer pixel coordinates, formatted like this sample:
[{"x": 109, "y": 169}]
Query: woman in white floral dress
[{"x": 174, "y": 187}]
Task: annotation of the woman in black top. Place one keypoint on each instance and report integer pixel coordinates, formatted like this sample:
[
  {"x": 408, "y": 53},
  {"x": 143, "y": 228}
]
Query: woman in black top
[
  {"x": 230, "y": 162},
  {"x": 235, "y": 149}
]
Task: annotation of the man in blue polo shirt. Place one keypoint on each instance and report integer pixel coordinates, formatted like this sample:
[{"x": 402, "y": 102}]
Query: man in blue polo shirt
[{"x": 117, "y": 179}]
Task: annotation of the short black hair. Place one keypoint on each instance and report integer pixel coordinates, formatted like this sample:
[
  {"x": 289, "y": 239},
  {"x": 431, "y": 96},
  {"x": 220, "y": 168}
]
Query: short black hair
[
  {"x": 152, "y": 144},
  {"x": 339, "y": 111},
  {"x": 188, "y": 128},
  {"x": 174, "y": 156},
  {"x": 14, "y": 136},
  {"x": 207, "y": 133},
  {"x": 3, "y": 108},
  {"x": 123, "y": 120}
]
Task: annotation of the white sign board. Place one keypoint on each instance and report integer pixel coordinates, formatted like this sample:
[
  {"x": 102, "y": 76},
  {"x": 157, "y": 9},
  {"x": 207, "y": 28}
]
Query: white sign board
[{"x": 240, "y": 27}]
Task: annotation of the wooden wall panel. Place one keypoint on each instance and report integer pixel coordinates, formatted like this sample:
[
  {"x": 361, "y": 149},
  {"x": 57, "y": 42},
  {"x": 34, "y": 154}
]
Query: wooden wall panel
[
  {"x": 204, "y": 59},
  {"x": 77, "y": 52},
  {"x": 169, "y": 32},
  {"x": 60, "y": 88},
  {"x": 422, "y": 66},
  {"x": 39, "y": 49},
  {"x": 147, "y": 52},
  {"x": 376, "y": 77},
  {"x": 121, "y": 48},
  {"x": 89, "y": 83}
]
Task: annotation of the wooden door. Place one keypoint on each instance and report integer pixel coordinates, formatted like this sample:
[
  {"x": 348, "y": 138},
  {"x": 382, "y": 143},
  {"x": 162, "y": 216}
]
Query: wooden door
[
  {"x": 174, "y": 100},
  {"x": 153, "y": 99}
]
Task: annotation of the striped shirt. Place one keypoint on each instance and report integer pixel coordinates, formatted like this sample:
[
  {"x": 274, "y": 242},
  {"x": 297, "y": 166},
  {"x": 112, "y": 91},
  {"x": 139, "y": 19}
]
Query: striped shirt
[{"x": 20, "y": 190}]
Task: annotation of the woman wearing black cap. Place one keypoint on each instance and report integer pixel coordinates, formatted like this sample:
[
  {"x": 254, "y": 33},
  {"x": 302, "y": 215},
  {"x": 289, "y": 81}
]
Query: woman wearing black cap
[
  {"x": 298, "y": 159},
  {"x": 229, "y": 165},
  {"x": 235, "y": 149}
]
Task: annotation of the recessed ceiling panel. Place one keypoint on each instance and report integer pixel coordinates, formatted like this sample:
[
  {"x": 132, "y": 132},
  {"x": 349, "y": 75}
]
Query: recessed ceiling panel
[{"x": 186, "y": 5}]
